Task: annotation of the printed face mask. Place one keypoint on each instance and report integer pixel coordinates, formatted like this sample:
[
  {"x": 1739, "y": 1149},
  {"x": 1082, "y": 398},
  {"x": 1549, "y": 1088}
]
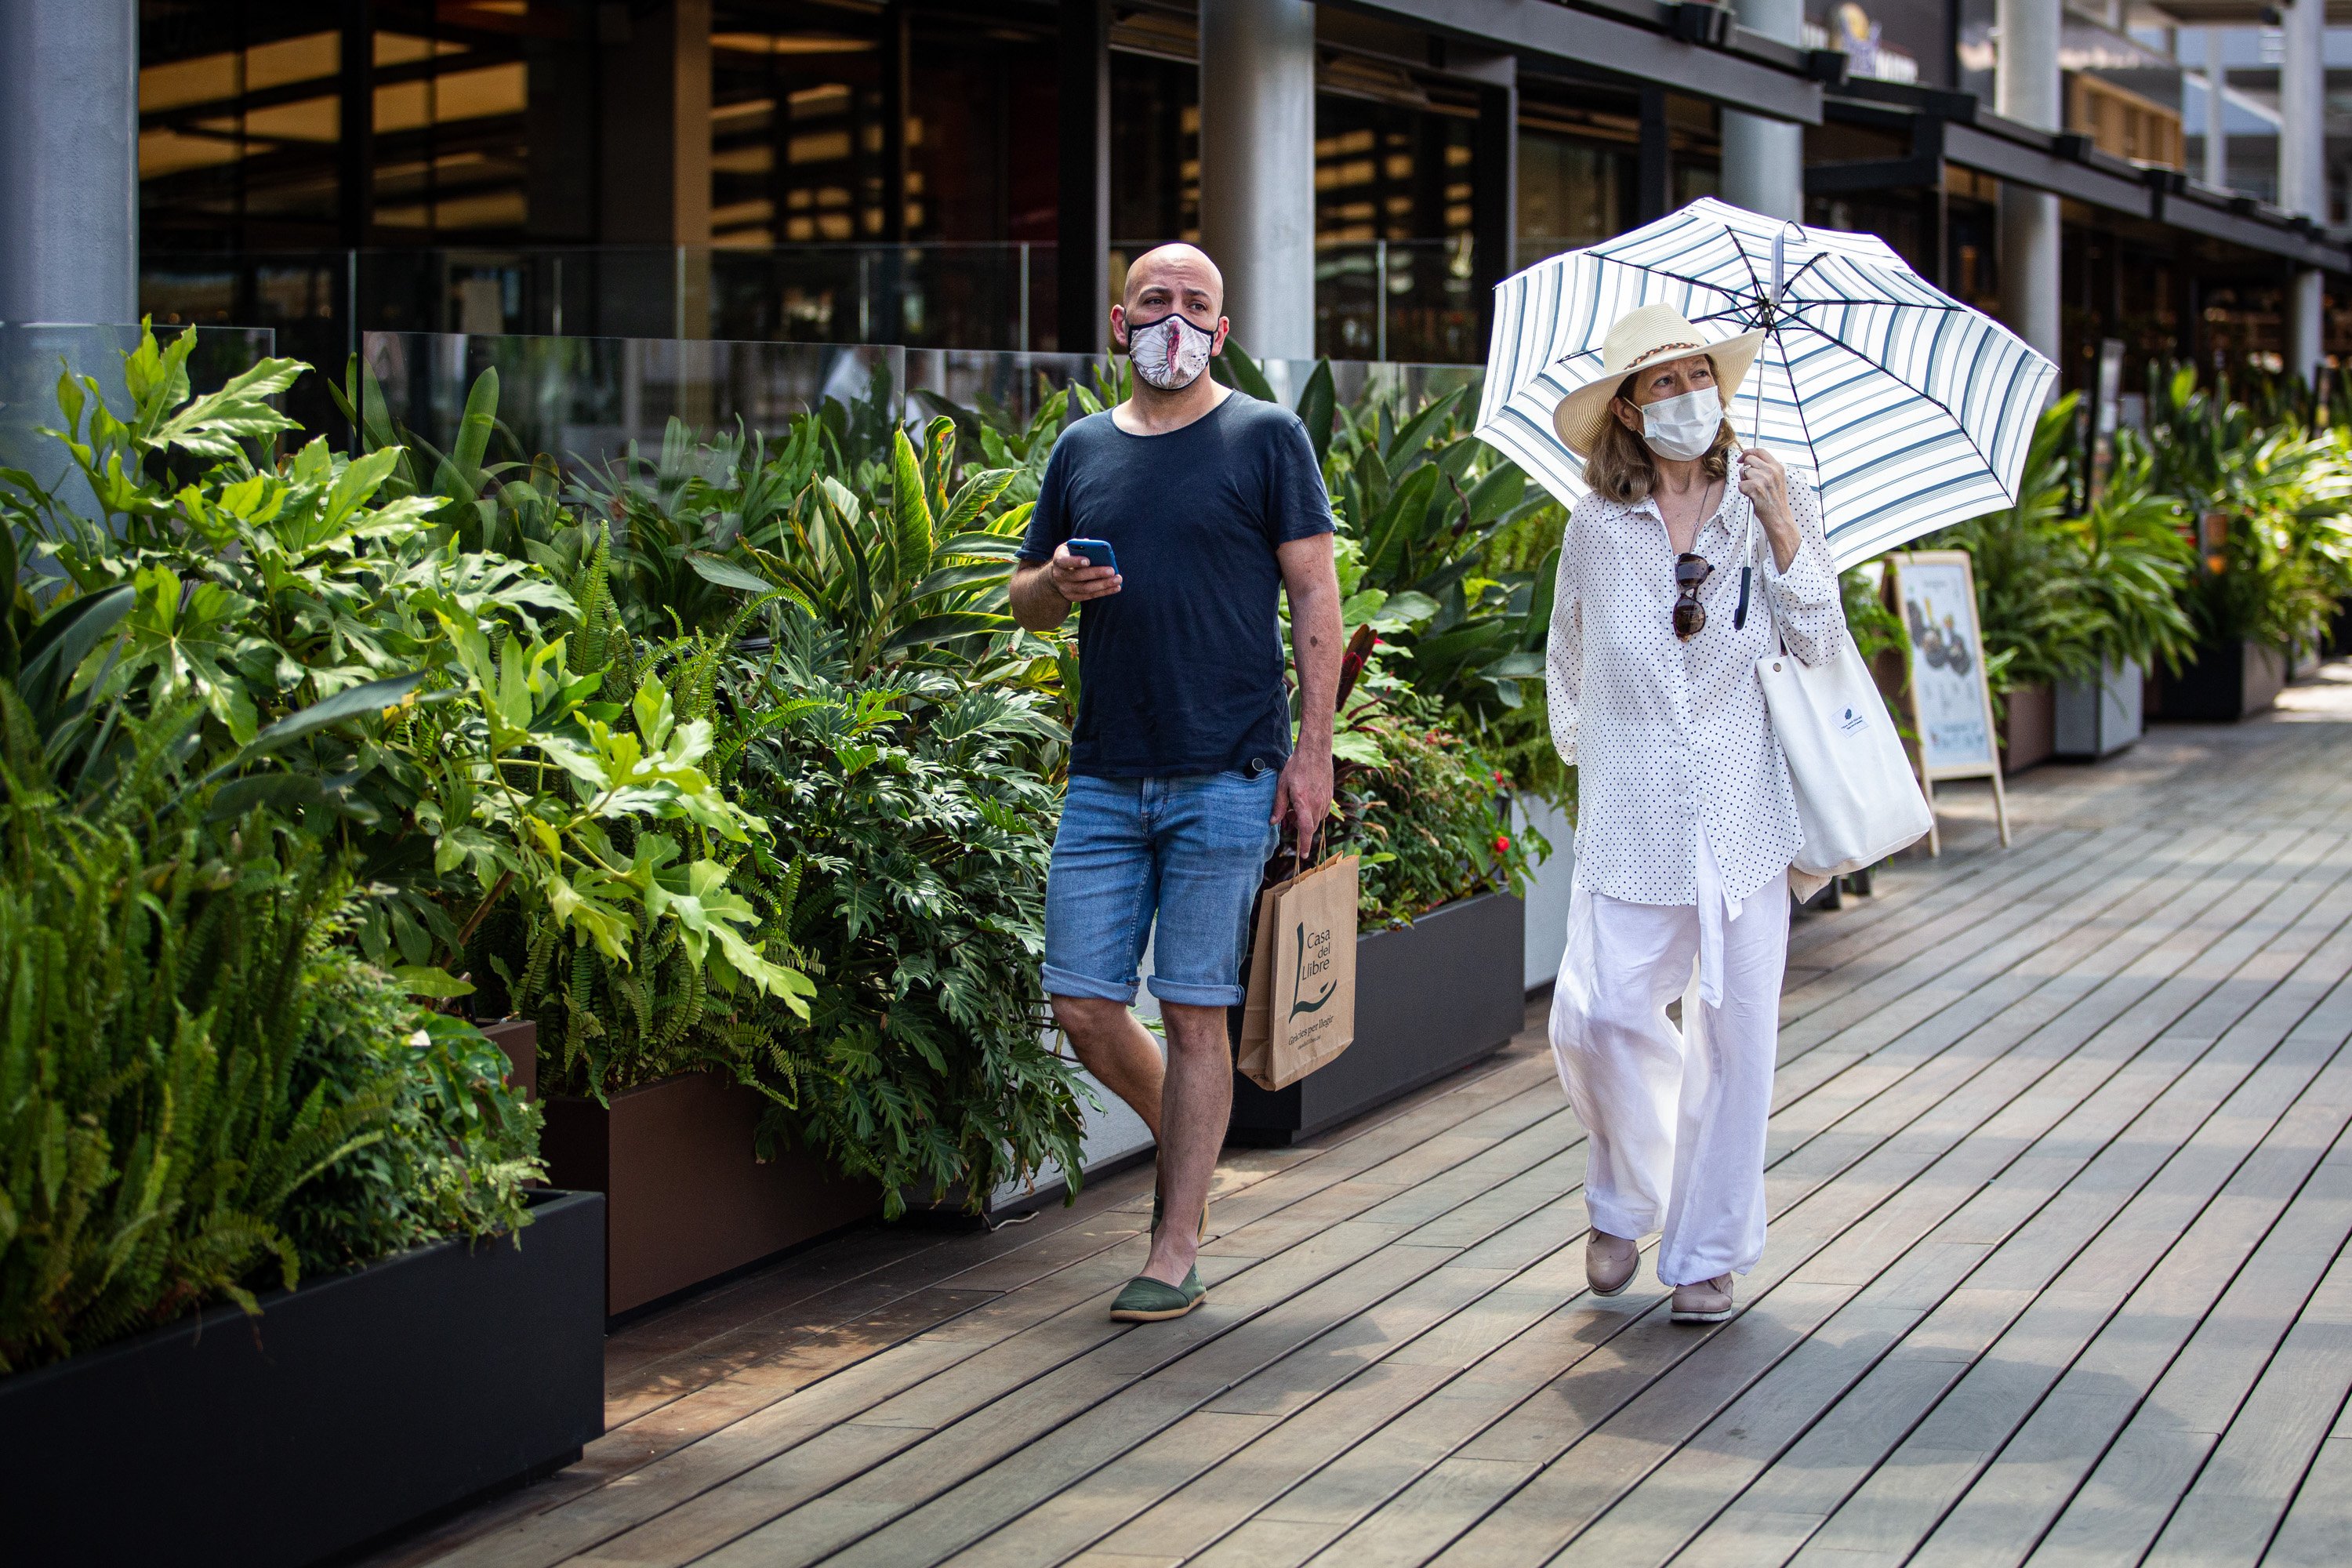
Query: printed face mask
[
  {"x": 1683, "y": 427},
  {"x": 1171, "y": 353}
]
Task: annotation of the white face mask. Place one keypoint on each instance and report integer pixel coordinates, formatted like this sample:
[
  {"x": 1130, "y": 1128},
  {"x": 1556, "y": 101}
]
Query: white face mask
[
  {"x": 1683, "y": 427},
  {"x": 1171, "y": 353}
]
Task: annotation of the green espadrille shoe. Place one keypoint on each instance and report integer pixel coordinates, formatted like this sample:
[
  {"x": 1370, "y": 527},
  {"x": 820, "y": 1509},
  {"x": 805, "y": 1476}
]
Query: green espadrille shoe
[{"x": 1146, "y": 1301}]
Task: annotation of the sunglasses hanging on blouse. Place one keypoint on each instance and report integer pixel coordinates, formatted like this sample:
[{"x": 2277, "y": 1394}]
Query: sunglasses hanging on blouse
[{"x": 1691, "y": 572}]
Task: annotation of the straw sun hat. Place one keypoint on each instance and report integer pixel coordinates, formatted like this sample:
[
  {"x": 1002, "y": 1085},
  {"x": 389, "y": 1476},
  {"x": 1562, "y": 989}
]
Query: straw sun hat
[{"x": 1640, "y": 337}]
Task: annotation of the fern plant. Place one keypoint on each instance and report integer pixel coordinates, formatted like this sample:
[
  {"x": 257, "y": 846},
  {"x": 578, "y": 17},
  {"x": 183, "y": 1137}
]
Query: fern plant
[{"x": 184, "y": 1056}]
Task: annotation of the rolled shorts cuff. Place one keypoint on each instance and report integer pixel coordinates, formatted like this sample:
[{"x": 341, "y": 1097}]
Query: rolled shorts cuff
[
  {"x": 1063, "y": 983},
  {"x": 1187, "y": 995}
]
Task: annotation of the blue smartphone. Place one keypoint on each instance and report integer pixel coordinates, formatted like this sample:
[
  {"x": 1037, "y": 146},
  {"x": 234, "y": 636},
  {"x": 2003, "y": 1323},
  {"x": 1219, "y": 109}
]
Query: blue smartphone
[{"x": 1096, "y": 552}]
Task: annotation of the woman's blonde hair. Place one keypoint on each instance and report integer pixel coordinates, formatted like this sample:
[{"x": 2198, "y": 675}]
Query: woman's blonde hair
[{"x": 1620, "y": 465}]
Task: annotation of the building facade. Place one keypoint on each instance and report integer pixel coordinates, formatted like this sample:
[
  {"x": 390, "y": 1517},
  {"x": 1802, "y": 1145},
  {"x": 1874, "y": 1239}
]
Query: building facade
[{"x": 974, "y": 173}]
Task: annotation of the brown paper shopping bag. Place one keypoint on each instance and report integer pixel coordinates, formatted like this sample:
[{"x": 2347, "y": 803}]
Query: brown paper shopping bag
[{"x": 1301, "y": 1007}]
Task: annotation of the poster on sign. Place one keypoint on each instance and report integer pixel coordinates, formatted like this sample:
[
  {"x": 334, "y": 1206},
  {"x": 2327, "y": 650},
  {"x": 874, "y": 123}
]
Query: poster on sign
[{"x": 1951, "y": 704}]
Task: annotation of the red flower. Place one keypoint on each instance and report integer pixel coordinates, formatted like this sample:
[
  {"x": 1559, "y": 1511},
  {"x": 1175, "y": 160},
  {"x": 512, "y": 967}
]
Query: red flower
[
  {"x": 1498, "y": 778},
  {"x": 1502, "y": 842}
]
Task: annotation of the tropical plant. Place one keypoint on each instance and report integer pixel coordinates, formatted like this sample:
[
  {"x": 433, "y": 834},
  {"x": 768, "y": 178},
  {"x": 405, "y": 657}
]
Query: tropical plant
[
  {"x": 415, "y": 701},
  {"x": 185, "y": 1057},
  {"x": 1454, "y": 561},
  {"x": 840, "y": 647},
  {"x": 915, "y": 815},
  {"x": 2063, "y": 587},
  {"x": 2269, "y": 504}
]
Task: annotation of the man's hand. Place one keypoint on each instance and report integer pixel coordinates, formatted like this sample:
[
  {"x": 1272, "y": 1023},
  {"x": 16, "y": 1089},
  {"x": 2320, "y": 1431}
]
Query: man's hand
[
  {"x": 1042, "y": 591},
  {"x": 1303, "y": 794},
  {"x": 1078, "y": 578}
]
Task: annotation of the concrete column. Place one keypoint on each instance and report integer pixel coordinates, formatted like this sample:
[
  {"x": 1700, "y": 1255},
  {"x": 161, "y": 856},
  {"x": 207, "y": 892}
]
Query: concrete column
[
  {"x": 1764, "y": 160},
  {"x": 2303, "y": 167},
  {"x": 2217, "y": 132},
  {"x": 1257, "y": 168},
  {"x": 2026, "y": 88},
  {"x": 69, "y": 160}
]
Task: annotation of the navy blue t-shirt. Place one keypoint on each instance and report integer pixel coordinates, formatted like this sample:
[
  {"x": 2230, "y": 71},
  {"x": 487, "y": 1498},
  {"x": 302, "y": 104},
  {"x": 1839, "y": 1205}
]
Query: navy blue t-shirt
[{"x": 1181, "y": 671}]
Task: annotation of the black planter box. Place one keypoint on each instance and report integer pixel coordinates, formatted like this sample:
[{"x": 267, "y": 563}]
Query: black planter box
[
  {"x": 350, "y": 1407},
  {"x": 1430, "y": 998},
  {"x": 2227, "y": 682}
]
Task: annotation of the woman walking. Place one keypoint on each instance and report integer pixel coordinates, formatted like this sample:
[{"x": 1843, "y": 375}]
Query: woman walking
[{"x": 1687, "y": 561}]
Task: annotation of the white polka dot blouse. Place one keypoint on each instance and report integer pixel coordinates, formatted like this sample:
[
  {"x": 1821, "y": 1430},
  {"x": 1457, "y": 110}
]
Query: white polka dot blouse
[{"x": 1665, "y": 733}]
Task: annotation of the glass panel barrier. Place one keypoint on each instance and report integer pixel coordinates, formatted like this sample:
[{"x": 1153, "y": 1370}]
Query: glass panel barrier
[{"x": 585, "y": 401}]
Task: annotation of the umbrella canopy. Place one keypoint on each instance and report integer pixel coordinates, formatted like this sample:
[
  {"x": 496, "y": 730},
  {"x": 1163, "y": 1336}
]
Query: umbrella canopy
[{"x": 1908, "y": 409}]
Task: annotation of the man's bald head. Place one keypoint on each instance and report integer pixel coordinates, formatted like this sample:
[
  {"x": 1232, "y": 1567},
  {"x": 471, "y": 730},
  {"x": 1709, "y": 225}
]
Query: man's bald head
[{"x": 1180, "y": 270}]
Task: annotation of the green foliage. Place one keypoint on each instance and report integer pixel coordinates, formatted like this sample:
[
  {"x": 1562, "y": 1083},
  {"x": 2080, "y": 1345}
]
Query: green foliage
[
  {"x": 2269, "y": 504},
  {"x": 2062, "y": 589},
  {"x": 1425, "y": 810},
  {"x": 469, "y": 725},
  {"x": 184, "y": 1056},
  {"x": 1448, "y": 554},
  {"x": 885, "y": 734},
  {"x": 918, "y": 815}
]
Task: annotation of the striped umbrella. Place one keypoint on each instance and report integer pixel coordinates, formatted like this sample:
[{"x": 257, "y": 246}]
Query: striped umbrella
[{"x": 1908, "y": 409}]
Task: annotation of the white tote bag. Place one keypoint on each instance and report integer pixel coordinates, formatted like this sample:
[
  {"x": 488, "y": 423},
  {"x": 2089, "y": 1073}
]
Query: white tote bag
[{"x": 1856, "y": 794}]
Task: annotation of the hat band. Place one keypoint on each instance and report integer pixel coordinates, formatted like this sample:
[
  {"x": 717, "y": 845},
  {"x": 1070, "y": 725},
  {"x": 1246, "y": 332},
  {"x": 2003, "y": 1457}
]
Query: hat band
[{"x": 1639, "y": 360}]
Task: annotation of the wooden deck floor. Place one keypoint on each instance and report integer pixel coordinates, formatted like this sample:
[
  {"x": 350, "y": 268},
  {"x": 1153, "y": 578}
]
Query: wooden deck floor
[{"x": 2060, "y": 1189}]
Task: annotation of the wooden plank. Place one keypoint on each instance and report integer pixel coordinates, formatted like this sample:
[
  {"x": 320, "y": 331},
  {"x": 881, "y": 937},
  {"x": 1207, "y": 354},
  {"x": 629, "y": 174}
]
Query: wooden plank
[
  {"x": 1938, "y": 1461},
  {"x": 1417, "y": 1414},
  {"x": 1069, "y": 1297},
  {"x": 2003, "y": 1079},
  {"x": 2231, "y": 1512},
  {"x": 982, "y": 1423},
  {"x": 2037, "y": 1471},
  {"x": 1832, "y": 1460},
  {"x": 1374, "y": 1539},
  {"x": 1295, "y": 1307},
  {"x": 2317, "y": 1532},
  {"x": 2129, "y": 1498},
  {"x": 1600, "y": 1468}
]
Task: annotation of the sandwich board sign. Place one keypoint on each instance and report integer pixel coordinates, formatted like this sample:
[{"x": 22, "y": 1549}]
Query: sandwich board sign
[{"x": 1935, "y": 591}]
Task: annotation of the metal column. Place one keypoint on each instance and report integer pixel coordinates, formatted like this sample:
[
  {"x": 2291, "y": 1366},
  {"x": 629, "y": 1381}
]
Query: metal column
[
  {"x": 70, "y": 181},
  {"x": 1764, "y": 160},
  {"x": 2303, "y": 169},
  {"x": 1257, "y": 168},
  {"x": 2026, "y": 88}
]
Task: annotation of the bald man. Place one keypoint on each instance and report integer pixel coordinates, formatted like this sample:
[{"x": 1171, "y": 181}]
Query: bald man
[{"x": 1184, "y": 769}]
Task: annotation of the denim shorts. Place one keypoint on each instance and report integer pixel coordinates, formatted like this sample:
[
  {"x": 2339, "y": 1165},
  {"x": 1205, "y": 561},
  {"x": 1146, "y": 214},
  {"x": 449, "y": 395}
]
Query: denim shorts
[{"x": 1189, "y": 850}]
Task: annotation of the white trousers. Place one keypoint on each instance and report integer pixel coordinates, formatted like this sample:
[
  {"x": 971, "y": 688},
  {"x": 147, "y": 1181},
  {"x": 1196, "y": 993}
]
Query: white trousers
[{"x": 1675, "y": 1117}]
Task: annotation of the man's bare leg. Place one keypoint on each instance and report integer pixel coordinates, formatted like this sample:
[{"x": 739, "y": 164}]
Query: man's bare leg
[
  {"x": 1118, "y": 1049},
  {"x": 1196, "y": 1105}
]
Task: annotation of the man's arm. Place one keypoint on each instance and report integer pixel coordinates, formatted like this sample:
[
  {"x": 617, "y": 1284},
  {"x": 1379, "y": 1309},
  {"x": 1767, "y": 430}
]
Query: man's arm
[
  {"x": 1043, "y": 591},
  {"x": 1304, "y": 795}
]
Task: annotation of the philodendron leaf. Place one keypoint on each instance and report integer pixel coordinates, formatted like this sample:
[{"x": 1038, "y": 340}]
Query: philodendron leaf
[
  {"x": 719, "y": 569},
  {"x": 372, "y": 697},
  {"x": 427, "y": 980}
]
